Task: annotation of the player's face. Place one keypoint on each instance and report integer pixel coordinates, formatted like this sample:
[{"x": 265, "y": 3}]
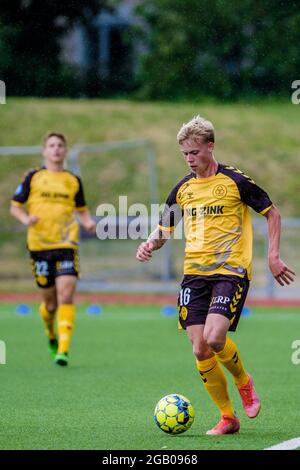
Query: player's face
[
  {"x": 197, "y": 154},
  {"x": 55, "y": 150}
]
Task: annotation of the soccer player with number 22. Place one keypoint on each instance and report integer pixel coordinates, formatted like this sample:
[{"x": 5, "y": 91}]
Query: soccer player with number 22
[{"x": 53, "y": 195}]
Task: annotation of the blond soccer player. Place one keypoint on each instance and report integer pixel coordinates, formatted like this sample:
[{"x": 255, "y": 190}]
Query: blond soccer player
[
  {"x": 214, "y": 201},
  {"x": 53, "y": 196}
]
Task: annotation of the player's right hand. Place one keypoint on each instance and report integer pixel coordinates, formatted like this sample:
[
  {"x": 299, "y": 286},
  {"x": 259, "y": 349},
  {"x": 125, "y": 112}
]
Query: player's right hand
[
  {"x": 144, "y": 251},
  {"x": 32, "y": 220}
]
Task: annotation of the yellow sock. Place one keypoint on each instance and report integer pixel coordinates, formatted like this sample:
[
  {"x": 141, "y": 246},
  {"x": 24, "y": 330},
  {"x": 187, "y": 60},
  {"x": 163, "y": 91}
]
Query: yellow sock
[
  {"x": 214, "y": 381},
  {"x": 66, "y": 316},
  {"x": 48, "y": 319},
  {"x": 230, "y": 358}
]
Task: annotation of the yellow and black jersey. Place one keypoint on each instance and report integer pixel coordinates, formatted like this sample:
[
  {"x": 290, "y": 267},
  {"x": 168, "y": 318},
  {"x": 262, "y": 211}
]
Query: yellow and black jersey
[
  {"x": 52, "y": 196},
  {"x": 217, "y": 223}
]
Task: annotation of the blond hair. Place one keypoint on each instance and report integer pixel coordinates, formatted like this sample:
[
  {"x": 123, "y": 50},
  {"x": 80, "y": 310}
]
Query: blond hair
[{"x": 197, "y": 128}]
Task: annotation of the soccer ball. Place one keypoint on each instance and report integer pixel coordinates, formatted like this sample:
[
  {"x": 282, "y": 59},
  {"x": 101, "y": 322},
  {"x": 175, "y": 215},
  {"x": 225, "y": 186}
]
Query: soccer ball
[{"x": 174, "y": 414}]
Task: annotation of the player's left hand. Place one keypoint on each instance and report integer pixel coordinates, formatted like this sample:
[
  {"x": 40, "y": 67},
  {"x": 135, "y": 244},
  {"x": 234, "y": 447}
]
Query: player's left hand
[
  {"x": 90, "y": 227},
  {"x": 281, "y": 272}
]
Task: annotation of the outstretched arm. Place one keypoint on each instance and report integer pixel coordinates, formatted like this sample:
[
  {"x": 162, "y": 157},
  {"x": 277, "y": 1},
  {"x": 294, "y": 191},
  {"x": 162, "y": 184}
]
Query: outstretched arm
[
  {"x": 155, "y": 241},
  {"x": 169, "y": 218},
  {"x": 281, "y": 272}
]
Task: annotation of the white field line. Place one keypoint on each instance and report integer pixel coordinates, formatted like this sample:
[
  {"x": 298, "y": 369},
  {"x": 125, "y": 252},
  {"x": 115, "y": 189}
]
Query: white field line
[{"x": 286, "y": 445}]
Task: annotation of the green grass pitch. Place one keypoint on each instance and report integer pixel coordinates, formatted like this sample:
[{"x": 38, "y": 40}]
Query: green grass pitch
[{"x": 122, "y": 362}]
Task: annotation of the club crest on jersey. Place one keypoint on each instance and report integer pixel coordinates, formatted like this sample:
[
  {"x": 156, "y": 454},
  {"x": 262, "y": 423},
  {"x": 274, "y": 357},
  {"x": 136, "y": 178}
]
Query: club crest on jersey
[{"x": 219, "y": 191}]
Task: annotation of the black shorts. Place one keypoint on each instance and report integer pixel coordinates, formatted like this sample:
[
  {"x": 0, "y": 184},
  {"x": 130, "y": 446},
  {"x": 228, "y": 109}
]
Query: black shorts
[
  {"x": 201, "y": 295},
  {"x": 49, "y": 264}
]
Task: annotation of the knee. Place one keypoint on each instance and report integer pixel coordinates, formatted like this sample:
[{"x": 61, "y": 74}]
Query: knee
[
  {"x": 202, "y": 351},
  {"x": 215, "y": 342},
  {"x": 64, "y": 297},
  {"x": 51, "y": 306},
  {"x": 65, "y": 291}
]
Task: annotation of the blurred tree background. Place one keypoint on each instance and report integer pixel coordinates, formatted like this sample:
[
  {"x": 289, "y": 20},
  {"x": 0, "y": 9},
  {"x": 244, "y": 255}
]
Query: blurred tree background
[
  {"x": 190, "y": 48},
  {"x": 30, "y": 34},
  {"x": 221, "y": 48}
]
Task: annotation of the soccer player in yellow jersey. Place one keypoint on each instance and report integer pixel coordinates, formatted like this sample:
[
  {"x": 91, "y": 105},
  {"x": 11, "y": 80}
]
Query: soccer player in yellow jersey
[
  {"x": 214, "y": 201},
  {"x": 53, "y": 196}
]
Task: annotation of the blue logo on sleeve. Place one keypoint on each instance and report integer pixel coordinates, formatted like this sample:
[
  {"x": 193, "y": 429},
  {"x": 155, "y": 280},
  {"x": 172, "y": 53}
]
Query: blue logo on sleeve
[{"x": 19, "y": 189}]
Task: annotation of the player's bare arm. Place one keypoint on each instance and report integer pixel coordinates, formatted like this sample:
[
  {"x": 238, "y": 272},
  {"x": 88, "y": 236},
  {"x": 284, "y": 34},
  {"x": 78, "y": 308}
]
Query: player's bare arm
[
  {"x": 21, "y": 215},
  {"x": 281, "y": 272},
  {"x": 155, "y": 241},
  {"x": 87, "y": 221}
]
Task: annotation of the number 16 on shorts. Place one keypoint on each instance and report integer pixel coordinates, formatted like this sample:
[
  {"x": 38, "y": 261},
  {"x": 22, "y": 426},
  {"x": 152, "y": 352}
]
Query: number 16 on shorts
[{"x": 184, "y": 296}]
